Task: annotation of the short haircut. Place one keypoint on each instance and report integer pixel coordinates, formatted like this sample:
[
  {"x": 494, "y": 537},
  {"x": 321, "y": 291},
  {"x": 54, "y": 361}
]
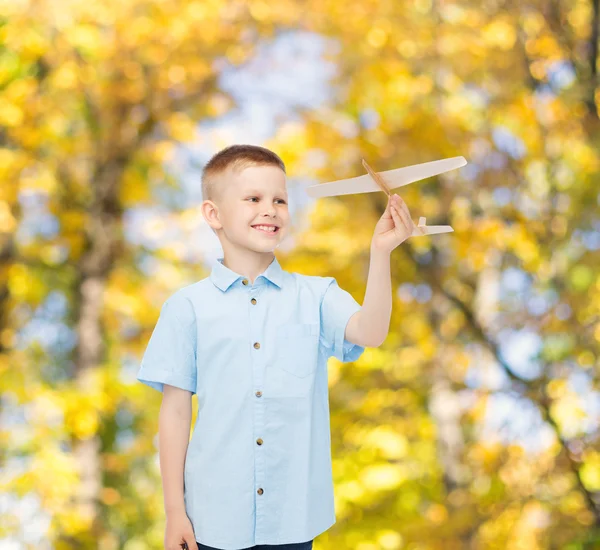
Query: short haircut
[{"x": 234, "y": 158}]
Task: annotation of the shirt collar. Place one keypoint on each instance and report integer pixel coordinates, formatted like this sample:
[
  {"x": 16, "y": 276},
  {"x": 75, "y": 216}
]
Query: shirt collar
[{"x": 223, "y": 277}]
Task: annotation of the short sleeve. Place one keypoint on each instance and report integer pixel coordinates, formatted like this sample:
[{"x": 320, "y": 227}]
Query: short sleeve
[
  {"x": 170, "y": 357},
  {"x": 337, "y": 306}
]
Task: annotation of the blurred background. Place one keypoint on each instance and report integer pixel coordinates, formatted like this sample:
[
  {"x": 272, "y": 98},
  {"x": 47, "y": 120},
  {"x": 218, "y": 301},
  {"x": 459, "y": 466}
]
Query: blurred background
[{"x": 476, "y": 424}]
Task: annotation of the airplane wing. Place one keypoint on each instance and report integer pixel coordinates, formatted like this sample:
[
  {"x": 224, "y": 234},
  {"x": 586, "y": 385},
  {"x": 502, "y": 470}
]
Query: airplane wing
[
  {"x": 423, "y": 229},
  {"x": 393, "y": 178}
]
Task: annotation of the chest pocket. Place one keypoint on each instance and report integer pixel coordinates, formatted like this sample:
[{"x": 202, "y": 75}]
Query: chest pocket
[{"x": 297, "y": 348}]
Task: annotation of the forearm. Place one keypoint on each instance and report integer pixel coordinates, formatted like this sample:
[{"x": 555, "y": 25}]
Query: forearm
[
  {"x": 173, "y": 436},
  {"x": 377, "y": 306}
]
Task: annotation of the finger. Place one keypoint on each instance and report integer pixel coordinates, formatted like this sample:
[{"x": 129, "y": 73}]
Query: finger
[
  {"x": 399, "y": 219},
  {"x": 390, "y": 201},
  {"x": 189, "y": 542},
  {"x": 403, "y": 205},
  {"x": 407, "y": 220},
  {"x": 387, "y": 213}
]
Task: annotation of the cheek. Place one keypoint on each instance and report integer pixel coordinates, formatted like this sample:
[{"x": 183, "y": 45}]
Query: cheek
[{"x": 244, "y": 209}]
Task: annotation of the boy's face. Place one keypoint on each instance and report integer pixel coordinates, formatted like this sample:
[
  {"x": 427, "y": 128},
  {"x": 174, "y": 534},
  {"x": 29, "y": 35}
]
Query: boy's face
[{"x": 256, "y": 195}]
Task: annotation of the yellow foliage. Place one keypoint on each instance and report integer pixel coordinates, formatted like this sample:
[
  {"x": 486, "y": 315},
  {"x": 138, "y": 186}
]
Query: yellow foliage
[
  {"x": 65, "y": 77},
  {"x": 54, "y": 475},
  {"x": 568, "y": 413},
  {"x": 80, "y": 88},
  {"x": 135, "y": 189},
  {"x": 390, "y": 540},
  {"x": 437, "y": 513},
  {"x": 500, "y": 33},
  {"x": 383, "y": 476},
  {"x": 590, "y": 472},
  {"x": 350, "y": 490},
  {"x": 162, "y": 151},
  {"x": 556, "y": 388},
  {"x": 260, "y": 10},
  {"x": 81, "y": 415},
  {"x": 180, "y": 126},
  {"x": 23, "y": 284},
  {"x": 390, "y": 443},
  {"x": 26, "y": 40},
  {"x": 86, "y": 37},
  {"x": 7, "y": 220},
  {"x": 10, "y": 114},
  {"x": 377, "y": 37}
]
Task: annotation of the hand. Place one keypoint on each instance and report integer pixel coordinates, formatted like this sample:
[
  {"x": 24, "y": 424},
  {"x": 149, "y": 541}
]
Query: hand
[
  {"x": 179, "y": 530},
  {"x": 394, "y": 226}
]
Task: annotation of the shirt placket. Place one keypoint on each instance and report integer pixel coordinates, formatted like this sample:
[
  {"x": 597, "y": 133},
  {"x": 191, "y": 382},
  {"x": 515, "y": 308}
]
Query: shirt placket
[{"x": 258, "y": 368}]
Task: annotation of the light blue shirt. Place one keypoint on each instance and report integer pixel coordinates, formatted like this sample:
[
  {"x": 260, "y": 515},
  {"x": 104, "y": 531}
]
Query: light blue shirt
[{"x": 258, "y": 466}]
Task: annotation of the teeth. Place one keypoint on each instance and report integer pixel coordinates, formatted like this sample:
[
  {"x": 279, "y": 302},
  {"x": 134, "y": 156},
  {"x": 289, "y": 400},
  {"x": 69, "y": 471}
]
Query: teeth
[{"x": 264, "y": 228}]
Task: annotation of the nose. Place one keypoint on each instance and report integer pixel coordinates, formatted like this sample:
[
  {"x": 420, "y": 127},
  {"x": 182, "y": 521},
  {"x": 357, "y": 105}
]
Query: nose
[{"x": 271, "y": 211}]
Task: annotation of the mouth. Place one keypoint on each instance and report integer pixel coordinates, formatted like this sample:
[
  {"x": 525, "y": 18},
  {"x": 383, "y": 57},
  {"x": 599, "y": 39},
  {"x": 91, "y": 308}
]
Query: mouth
[{"x": 274, "y": 231}]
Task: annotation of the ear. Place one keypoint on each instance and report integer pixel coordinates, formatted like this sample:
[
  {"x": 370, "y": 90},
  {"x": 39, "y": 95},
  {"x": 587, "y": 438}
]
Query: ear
[{"x": 210, "y": 212}]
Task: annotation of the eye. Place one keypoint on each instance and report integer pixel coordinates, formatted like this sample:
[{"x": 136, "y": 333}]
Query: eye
[{"x": 277, "y": 199}]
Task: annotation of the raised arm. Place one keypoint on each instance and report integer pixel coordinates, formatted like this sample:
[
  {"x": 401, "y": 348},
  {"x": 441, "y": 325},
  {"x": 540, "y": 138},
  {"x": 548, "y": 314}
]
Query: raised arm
[{"x": 371, "y": 324}]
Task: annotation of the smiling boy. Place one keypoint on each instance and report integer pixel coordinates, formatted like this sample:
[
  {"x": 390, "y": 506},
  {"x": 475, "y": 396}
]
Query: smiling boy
[{"x": 252, "y": 341}]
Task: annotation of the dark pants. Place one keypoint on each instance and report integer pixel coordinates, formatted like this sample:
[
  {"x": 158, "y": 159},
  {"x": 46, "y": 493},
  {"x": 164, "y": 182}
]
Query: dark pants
[{"x": 293, "y": 546}]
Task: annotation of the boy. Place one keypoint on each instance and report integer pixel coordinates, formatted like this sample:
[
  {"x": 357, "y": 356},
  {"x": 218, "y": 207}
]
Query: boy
[{"x": 253, "y": 341}]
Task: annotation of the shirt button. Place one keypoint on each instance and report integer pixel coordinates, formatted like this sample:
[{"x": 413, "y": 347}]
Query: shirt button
[
  {"x": 260, "y": 491},
  {"x": 245, "y": 282},
  {"x": 259, "y": 441},
  {"x": 258, "y": 393},
  {"x": 256, "y": 345},
  {"x": 253, "y": 301}
]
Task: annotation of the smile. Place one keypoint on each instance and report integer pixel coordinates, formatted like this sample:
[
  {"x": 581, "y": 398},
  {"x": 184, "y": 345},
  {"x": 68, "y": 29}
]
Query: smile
[{"x": 263, "y": 229}]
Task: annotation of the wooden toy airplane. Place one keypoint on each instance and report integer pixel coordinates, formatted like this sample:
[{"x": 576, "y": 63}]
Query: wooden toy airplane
[{"x": 385, "y": 181}]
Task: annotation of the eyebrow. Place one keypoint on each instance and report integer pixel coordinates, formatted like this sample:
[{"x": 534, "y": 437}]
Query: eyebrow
[{"x": 260, "y": 192}]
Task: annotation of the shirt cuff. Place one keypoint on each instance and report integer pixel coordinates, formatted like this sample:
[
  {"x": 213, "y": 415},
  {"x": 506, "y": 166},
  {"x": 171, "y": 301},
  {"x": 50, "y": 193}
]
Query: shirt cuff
[
  {"x": 156, "y": 380},
  {"x": 343, "y": 350}
]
